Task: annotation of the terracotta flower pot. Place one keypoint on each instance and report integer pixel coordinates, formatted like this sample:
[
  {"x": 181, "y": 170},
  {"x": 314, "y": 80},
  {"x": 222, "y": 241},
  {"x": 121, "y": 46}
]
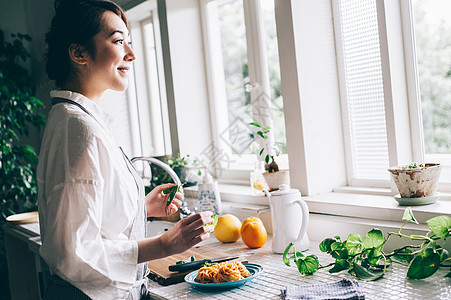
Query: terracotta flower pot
[
  {"x": 416, "y": 182},
  {"x": 273, "y": 180}
]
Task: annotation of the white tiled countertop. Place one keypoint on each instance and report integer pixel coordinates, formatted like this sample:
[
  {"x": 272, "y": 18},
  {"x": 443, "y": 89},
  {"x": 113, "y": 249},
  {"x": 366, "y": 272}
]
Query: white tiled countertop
[{"x": 276, "y": 275}]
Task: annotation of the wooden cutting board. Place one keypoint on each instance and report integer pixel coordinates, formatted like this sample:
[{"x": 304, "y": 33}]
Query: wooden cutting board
[{"x": 159, "y": 268}]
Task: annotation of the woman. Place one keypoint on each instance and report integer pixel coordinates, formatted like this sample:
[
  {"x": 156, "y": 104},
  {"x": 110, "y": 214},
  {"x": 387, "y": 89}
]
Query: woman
[{"x": 92, "y": 205}]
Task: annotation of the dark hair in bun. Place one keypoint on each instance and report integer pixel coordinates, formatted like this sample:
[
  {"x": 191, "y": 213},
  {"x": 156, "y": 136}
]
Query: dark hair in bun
[{"x": 75, "y": 22}]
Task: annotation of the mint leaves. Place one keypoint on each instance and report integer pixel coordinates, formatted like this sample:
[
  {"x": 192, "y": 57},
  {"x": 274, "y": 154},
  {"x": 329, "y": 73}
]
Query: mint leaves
[{"x": 365, "y": 257}]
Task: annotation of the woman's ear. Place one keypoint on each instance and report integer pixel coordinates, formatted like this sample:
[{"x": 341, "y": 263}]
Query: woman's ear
[{"x": 78, "y": 54}]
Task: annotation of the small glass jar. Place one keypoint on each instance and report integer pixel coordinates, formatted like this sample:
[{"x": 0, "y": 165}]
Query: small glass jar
[{"x": 258, "y": 182}]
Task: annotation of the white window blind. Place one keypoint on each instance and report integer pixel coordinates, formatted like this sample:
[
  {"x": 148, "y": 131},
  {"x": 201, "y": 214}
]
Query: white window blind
[{"x": 361, "y": 86}]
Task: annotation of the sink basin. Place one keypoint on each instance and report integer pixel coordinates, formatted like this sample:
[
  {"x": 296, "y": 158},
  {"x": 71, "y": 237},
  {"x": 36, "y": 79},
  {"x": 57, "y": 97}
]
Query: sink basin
[{"x": 157, "y": 228}]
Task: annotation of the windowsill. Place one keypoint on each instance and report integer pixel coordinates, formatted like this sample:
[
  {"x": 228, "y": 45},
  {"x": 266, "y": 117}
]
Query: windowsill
[{"x": 374, "y": 204}]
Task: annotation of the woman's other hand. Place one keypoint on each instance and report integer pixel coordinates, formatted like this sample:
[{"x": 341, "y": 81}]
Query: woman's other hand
[
  {"x": 156, "y": 202},
  {"x": 185, "y": 234}
]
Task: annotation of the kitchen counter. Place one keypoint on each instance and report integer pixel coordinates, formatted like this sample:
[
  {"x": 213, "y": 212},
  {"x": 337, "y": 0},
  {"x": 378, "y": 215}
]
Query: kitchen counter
[
  {"x": 23, "y": 243},
  {"x": 276, "y": 275}
]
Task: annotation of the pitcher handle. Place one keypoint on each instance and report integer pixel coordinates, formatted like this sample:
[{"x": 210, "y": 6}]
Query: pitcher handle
[{"x": 305, "y": 219}]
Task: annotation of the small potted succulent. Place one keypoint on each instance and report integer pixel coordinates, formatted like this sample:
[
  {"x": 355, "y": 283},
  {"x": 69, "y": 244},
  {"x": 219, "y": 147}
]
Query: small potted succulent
[
  {"x": 416, "y": 182},
  {"x": 273, "y": 175}
]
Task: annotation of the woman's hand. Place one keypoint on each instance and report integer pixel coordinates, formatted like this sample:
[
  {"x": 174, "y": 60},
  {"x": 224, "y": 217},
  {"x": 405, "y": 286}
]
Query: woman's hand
[
  {"x": 185, "y": 234},
  {"x": 156, "y": 202}
]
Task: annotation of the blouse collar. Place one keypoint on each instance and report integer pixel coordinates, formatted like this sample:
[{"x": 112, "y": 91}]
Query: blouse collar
[{"x": 93, "y": 108}]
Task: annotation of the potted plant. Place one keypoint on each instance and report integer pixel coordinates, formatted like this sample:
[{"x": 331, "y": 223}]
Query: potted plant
[
  {"x": 416, "y": 183},
  {"x": 18, "y": 110},
  {"x": 269, "y": 151}
]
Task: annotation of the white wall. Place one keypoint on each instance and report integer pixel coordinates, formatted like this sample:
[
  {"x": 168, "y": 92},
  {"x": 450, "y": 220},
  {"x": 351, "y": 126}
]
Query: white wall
[{"x": 311, "y": 95}]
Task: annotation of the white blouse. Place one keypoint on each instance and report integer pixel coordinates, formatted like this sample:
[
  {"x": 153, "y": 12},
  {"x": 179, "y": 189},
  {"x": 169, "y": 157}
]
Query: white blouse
[{"x": 91, "y": 202}]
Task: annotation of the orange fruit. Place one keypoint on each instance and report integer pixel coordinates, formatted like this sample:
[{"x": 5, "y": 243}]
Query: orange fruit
[
  {"x": 228, "y": 229},
  {"x": 254, "y": 234},
  {"x": 248, "y": 220}
]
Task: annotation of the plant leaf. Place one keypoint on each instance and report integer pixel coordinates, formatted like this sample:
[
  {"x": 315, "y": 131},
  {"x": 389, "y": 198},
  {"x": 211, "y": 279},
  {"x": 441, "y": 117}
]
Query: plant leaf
[
  {"x": 424, "y": 264},
  {"x": 403, "y": 255},
  {"x": 408, "y": 215},
  {"x": 364, "y": 273},
  {"x": 172, "y": 190},
  {"x": 286, "y": 260},
  {"x": 340, "y": 265},
  {"x": 374, "y": 255},
  {"x": 440, "y": 225},
  {"x": 261, "y": 134},
  {"x": 255, "y": 124},
  {"x": 308, "y": 265},
  {"x": 267, "y": 159},
  {"x": 339, "y": 250},
  {"x": 354, "y": 244},
  {"x": 444, "y": 255},
  {"x": 261, "y": 151},
  {"x": 373, "y": 239},
  {"x": 324, "y": 246}
]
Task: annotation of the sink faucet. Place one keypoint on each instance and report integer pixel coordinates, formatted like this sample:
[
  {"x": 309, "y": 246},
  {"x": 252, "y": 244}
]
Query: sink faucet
[{"x": 161, "y": 164}]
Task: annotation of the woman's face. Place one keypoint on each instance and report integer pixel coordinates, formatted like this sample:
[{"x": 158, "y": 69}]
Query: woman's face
[{"x": 113, "y": 56}]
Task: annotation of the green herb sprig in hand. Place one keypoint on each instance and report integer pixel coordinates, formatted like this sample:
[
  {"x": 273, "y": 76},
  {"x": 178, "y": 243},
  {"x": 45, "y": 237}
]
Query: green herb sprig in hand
[
  {"x": 172, "y": 190},
  {"x": 365, "y": 258},
  {"x": 215, "y": 221}
]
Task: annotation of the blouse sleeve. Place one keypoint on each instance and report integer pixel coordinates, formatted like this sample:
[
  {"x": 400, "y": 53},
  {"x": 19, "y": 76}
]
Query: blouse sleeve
[{"x": 73, "y": 244}]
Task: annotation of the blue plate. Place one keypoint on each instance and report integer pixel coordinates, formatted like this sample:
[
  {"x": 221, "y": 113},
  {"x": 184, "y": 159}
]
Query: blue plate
[{"x": 254, "y": 269}]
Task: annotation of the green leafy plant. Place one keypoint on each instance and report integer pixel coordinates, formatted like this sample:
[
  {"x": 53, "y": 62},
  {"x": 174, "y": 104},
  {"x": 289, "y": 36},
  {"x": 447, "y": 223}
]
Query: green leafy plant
[
  {"x": 365, "y": 258},
  {"x": 414, "y": 165},
  {"x": 262, "y": 133},
  {"x": 18, "y": 110}
]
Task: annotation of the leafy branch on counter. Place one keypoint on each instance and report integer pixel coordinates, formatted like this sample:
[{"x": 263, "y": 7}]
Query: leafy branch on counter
[{"x": 365, "y": 258}]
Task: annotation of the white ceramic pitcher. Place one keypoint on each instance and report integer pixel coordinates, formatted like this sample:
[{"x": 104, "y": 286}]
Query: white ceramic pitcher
[{"x": 290, "y": 217}]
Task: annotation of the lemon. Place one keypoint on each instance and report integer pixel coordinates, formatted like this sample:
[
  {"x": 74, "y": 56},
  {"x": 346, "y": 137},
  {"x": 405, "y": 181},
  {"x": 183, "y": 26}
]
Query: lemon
[{"x": 228, "y": 229}]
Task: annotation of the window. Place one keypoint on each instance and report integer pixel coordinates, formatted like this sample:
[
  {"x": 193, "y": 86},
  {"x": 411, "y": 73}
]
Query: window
[
  {"x": 244, "y": 79},
  {"x": 141, "y": 113},
  {"x": 433, "y": 47},
  {"x": 378, "y": 90},
  {"x": 362, "y": 91}
]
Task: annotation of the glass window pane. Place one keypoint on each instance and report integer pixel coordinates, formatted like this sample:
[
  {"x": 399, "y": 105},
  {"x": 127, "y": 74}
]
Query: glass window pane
[
  {"x": 234, "y": 52},
  {"x": 272, "y": 57},
  {"x": 433, "y": 46}
]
